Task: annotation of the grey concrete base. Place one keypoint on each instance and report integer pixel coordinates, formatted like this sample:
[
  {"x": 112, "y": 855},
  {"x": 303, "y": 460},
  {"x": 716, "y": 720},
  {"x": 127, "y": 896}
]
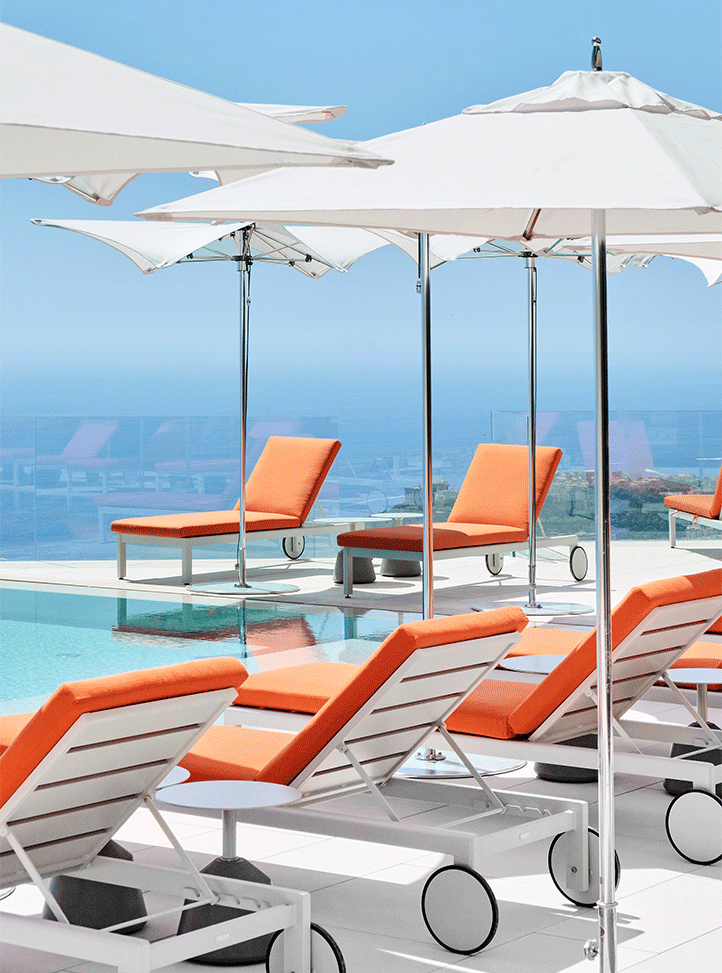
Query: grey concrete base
[
  {"x": 400, "y": 569},
  {"x": 677, "y": 787},
  {"x": 98, "y": 904},
  {"x": 252, "y": 951},
  {"x": 363, "y": 570},
  {"x": 570, "y": 775}
]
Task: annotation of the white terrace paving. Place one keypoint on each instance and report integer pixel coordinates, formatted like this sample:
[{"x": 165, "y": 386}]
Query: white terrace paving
[{"x": 367, "y": 896}]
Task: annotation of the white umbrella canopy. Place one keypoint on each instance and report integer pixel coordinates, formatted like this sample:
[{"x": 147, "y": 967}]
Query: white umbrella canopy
[
  {"x": 703, "y": 250},
  {"x": 155, "y": 246},
  {"x": 68, "y": 114},
  {"x": 102, "y": 189},
  {"x": 596, "y": 151},
  {"x": 592, "y": 140}
]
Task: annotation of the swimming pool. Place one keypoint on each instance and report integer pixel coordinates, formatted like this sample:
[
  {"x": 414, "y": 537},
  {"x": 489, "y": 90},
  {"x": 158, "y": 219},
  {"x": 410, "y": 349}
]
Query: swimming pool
[{"x": 50, "y": 635}]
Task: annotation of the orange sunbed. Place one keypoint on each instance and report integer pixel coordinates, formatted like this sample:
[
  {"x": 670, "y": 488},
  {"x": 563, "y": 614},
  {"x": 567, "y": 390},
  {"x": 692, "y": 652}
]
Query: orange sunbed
[
  {"x": 366, "y": 731},
  {"x": 490, "y": 516},
  {"x": 70, "y": 778},
  {"x": 280, "y": 494},
  {"x": 703, "y": 509}
]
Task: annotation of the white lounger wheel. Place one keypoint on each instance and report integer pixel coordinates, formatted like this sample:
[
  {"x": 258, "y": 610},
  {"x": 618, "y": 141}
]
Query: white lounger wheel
[
  {"x": 459, "y": 909},
  {"x": 326, "y": 957},
  {"x": 578, "y": 563},
  {"x": 293, "y": 547},
  {"x": 494, "y": 563},
  {"x": 694, "y": 826},
  {"x": 559, "y": 851}
]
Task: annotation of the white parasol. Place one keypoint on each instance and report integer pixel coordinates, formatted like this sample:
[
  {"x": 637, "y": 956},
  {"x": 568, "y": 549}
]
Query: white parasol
[
  {"x": 73, "y": 117},
  {"x": 315, "y": 251}
]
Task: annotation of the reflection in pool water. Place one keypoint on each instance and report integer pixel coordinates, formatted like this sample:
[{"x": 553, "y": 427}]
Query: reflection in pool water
[{"x": 51, "y": 635}]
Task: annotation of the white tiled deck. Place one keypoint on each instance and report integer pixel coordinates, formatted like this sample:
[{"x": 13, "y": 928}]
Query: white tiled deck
[{"x": 670, "y": 911}]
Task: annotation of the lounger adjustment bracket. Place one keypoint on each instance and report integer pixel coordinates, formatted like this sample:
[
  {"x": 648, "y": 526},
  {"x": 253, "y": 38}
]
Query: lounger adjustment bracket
[{"x": 370, "y": 784}]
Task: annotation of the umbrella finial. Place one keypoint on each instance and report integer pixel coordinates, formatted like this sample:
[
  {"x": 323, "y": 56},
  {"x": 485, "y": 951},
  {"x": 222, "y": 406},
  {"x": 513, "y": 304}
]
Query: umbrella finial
[{"x": 596, "y": 54}]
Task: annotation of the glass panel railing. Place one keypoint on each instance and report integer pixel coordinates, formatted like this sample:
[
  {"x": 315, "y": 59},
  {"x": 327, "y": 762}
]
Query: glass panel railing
[
  {"x": 651, "y": 455},
  {"x": 63, "y": 480}
]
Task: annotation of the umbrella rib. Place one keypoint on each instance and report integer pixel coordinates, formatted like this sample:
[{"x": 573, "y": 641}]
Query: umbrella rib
[{"x": 529, "y": 228}]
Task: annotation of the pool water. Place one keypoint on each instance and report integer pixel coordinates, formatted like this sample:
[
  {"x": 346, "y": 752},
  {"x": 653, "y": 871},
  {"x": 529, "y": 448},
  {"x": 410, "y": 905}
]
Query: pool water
[{"x": 50, "y": 635}]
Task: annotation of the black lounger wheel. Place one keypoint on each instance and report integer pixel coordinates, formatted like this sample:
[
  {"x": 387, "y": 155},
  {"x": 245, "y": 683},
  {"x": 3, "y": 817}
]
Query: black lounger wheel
[
  {"x": 459, "y": 909},
  {"x": 559, "y": 852},
  {"x": 694, "y": 826},
  {"x": 293, "y": 547},
  {"x": 494, "y": 563},
  {"x": 326, "y": 957},
  {"x": 578, "y": 563}
]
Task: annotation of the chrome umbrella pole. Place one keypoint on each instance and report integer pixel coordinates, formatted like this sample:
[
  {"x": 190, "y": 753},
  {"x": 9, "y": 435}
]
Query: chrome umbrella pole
[
  {"x": 427, "y": 755},
  {"x": 606, "y": 945},
  {"x": 429, "y": 762},
  {"x": 244, "y": 269},
  {"x": 530, "y": 264},
  {"x": 531, "y": 606},
  {"x": 244, "y": 262},
  {"x": 428, "y": 545}
]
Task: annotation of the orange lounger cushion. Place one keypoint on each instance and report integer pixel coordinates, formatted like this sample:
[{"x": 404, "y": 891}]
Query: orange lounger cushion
[
  {"x": 700, "y": 504},
  {"x": 289, "y": 762},
  {"x": 201, "y": 524},
  {"x": 491, "y": 507},
  {"x": 701, "y": 655},
  {"x": 447, "y": 537},
  {"x": 495, "y": 488},
  {"x": 10, "y": 726},
  {"x": 295, "y": 689},
  {"x": 40, "y": 734},
  {"x": 547, "y": 641},
  {"x": 486, "y": 711},
  {"x": 280, "y": 493},
  {"x": 289, "y": 474},
  {"x": 217, "y": 756}
]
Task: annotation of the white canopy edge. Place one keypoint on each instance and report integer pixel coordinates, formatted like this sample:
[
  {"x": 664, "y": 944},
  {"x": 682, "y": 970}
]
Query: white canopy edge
[
  {"x": 103, "y": 189},
  {"x": 703, "y": 250},
  {"x": 312, "y": 250},
  {"x": 148, "y": 251}
]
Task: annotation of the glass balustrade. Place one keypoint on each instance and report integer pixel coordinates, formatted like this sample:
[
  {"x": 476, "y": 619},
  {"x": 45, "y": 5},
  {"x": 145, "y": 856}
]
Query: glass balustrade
[{"x": 65, "y": 479}]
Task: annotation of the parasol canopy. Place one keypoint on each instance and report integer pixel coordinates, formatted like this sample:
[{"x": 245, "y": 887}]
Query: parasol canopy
[
  {"x": 534, "y": 165},
  {"x": 68, "y": 114}
]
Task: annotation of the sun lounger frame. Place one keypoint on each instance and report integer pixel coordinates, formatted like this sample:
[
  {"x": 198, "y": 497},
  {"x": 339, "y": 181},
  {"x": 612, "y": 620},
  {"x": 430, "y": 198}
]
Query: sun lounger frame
[
  {"x": 390, "y": 726},
  {"x": 186, "y": 544},
  {"x": 695, "y": 519},
  {"x": 565, "y": 540},
  {"x": 81, "y": 792}
]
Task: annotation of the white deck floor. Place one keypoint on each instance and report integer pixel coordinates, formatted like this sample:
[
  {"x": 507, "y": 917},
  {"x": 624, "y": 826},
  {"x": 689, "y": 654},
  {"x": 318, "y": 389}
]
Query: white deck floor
[{"x": 367, "y": 896}]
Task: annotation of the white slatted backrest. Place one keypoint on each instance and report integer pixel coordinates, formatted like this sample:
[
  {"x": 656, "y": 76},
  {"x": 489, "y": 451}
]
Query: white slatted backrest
[
  {"x": 395, "y": 721},
  {"x": 637, "y": 663},
  {"x": 96, "y": 776}
]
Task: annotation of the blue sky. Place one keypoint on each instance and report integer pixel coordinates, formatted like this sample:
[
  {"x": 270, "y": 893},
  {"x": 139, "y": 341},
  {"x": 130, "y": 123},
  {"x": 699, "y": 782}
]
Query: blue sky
[{"x": 84, "y": 333}]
